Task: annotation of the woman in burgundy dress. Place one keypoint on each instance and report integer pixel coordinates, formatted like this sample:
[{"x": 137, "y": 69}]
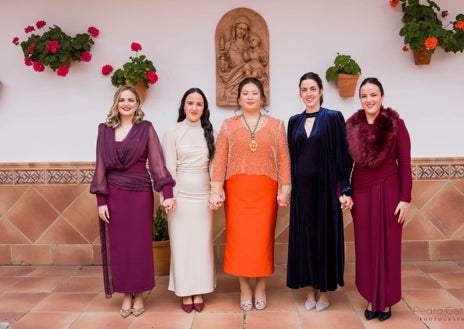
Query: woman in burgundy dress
[
  {"x": 379, "y": 144},
  {"x": 124, "y": 191}
]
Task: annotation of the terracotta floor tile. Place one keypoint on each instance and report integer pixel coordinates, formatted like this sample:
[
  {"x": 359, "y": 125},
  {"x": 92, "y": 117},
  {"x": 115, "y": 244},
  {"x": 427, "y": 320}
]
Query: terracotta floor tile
[
  {"x": 19, "y": 302},
  {"x": 36, "y": 320},
  {"x": 434, "y": 299},
  {"x": 65, "y": 302},
  {"x": 271, "y": 320},
  {"x": 102, "y": 321},
  {"x": 440, "y": 267},
  {"x": 214, "y": 321},
  {"x": 449, "y": 280},
  {"x": 46, "y": 271},
  {"x": 72, "y": 297},
  {"x": 37, "y": 284},
  {"x": 329, "y": 319},
  {"x": 419, "y": 281},
  {"x": 81, "y": 284},
  {"x": 458, "y": 293}
]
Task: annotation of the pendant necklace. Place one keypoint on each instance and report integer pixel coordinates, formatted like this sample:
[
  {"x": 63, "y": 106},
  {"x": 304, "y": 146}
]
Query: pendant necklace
[{"x": 253, "y": 144}]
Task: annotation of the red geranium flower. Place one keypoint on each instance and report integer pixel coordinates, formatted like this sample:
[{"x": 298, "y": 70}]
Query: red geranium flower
[
  {"x": 394, "y": 3},
  {"x": 405, "y": 48},
  {"x": 15, "y": 40},
  {"x": 107, "y": 69},
  {"x": 38, "y": 67},
  {"x": 136, "y": 46},
  {"x": 53, "y": 46},
  {"x": 62, "y": 71},
  {"x": 459, "y": 25},
  {"x": 152, "y": 77},
  {"x": 93, "y": 31},
  {"x": 430, "y": 43},
  {"x": 29, "y": 28},
  {"x": 40, "y": 24},
  {"x": 27, "y": 61},
  {"x": 31, "y": 48},
  {"x": 85, "y": 56}
]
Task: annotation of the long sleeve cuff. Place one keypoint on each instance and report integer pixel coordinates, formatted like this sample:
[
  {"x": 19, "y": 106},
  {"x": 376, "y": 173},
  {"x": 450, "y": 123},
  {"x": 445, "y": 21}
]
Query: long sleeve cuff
[{"x": 168, "y": 192}]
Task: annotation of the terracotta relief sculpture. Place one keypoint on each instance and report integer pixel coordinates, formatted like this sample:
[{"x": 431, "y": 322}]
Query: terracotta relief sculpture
[{"x": 242, "y": 50}]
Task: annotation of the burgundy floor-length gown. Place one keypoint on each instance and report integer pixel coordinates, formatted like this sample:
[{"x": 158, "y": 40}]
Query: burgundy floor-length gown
[
  {"x": 376, "y": 193},
  {"x": 121, "y": 181}
]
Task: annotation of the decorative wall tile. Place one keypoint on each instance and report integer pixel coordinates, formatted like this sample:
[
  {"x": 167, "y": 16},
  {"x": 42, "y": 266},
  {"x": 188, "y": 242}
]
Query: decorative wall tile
[
  {"x": 29, "y": 176},
  {"x": 6, "y": 176},
  {"x": 61, "y": 176},
  {"x": 48, "y": 216}
]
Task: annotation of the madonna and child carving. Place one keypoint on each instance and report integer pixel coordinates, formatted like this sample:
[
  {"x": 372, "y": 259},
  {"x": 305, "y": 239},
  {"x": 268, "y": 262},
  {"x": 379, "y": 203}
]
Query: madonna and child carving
[{"x": 242, "y": 50}]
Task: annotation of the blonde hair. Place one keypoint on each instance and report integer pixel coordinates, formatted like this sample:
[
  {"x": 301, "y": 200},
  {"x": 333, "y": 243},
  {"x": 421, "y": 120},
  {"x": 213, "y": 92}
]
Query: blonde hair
[{"x": 113, "y": 119}]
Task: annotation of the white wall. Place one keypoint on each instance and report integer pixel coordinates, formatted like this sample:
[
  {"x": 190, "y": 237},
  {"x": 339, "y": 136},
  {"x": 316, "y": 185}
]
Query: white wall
[{"x": 46, "y": 118}]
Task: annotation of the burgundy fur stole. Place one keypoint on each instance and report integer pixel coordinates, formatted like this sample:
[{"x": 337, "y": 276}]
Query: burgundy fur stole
[{"x": 368, "y": 147}]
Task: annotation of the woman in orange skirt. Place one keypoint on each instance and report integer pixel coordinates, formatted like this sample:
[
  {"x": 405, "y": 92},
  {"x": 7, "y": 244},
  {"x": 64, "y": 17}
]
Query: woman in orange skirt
[{"x": 251, "y": 175}]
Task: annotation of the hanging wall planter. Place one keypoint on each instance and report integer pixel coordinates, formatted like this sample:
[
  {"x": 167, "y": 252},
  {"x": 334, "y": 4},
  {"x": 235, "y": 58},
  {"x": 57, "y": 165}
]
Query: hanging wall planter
[
  {"x": 345, "y": 72},
  {"x": 139, "y": 71},
  {"x": 346, "y": 84},
  {"x": 421, "y": 57}
]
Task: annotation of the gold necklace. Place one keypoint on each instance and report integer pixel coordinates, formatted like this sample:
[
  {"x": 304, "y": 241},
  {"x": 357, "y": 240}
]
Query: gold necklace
[{"x": 253, "y": 144}]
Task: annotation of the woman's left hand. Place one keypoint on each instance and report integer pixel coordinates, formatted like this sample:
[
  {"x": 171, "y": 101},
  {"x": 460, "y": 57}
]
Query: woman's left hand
[
  {"x": 169, "y": 204},
  {"x": 402, "y": 211},
  {"x": 346, "y": 202}
]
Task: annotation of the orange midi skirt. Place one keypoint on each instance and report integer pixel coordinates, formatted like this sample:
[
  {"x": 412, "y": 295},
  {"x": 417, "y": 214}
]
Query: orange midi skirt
[{"x": 250, "y": 213}]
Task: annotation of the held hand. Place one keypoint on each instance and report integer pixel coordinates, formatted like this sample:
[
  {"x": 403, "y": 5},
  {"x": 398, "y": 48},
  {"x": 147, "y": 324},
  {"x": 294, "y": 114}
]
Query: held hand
[
  {"x": 283, "y": 199},
  {"x": 402, "y": 211},
  {"x": 169, "y": 205},
  {"x": 103, "y": 213},
  {"x": 346, "y": 202},
  {"x": 215, "y": 202}
]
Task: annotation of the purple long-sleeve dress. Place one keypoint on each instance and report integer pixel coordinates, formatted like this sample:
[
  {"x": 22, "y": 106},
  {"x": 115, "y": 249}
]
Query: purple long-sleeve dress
[{"x": 123, "y": 183}]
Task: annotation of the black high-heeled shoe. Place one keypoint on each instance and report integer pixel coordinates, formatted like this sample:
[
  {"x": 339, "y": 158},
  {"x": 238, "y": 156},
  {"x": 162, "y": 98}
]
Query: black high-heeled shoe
[
  {"x": 369, "y": 315},
  {"x": 384, "y": 315}
]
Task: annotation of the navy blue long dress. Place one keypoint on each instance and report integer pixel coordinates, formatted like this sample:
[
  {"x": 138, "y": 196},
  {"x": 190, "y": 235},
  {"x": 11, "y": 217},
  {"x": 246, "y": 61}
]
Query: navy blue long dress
[{"x": 321, "y": 168}]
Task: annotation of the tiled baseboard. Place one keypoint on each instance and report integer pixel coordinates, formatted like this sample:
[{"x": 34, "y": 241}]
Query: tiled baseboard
[{"x": 48, "y": 216}]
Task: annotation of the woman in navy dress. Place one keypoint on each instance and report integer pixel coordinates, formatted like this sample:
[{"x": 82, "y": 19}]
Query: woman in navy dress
[{"x": 321, "y": 169}]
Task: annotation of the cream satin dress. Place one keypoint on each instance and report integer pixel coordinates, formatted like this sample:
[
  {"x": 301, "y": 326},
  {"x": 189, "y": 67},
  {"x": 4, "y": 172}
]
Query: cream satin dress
[{"x": 192, "y": 269}]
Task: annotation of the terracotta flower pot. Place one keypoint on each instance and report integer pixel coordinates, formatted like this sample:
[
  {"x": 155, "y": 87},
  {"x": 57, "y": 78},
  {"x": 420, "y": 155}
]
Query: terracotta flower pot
[
  {"x": 141, "y": 90},
  {"x": 421, "y": 57},
  {"x": 346, "y": 84},
  {"x": 161, "y": 257}
]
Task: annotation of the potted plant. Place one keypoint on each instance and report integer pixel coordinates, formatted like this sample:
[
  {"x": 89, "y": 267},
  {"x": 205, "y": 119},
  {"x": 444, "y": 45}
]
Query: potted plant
[
  {"x": 345, "y": 72},
  {"x": 423, "y": 30},
  {"x": 54, "y": 48},
  {"x": 161, "y": 247},
  {"x": 139, "y": 71}
]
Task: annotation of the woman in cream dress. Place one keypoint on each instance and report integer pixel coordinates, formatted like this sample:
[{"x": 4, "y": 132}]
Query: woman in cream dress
[{"x": 188, "y": 147}]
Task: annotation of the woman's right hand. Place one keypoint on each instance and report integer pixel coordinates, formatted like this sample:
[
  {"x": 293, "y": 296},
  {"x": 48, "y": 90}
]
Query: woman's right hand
[
  {"x": 215, "y": 201},
  {"x": 103, "y": 213}
]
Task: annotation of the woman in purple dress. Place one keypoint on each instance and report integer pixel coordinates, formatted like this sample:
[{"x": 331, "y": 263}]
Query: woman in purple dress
[
  {"x": 124, "y": 190},
  {"x": 379, "y": 144}
]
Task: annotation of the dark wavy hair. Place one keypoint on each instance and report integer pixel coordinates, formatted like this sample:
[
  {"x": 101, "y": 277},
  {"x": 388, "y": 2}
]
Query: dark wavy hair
[
  {"x": 204, "y": 119},
  {"x": 315, "y": 77}
]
